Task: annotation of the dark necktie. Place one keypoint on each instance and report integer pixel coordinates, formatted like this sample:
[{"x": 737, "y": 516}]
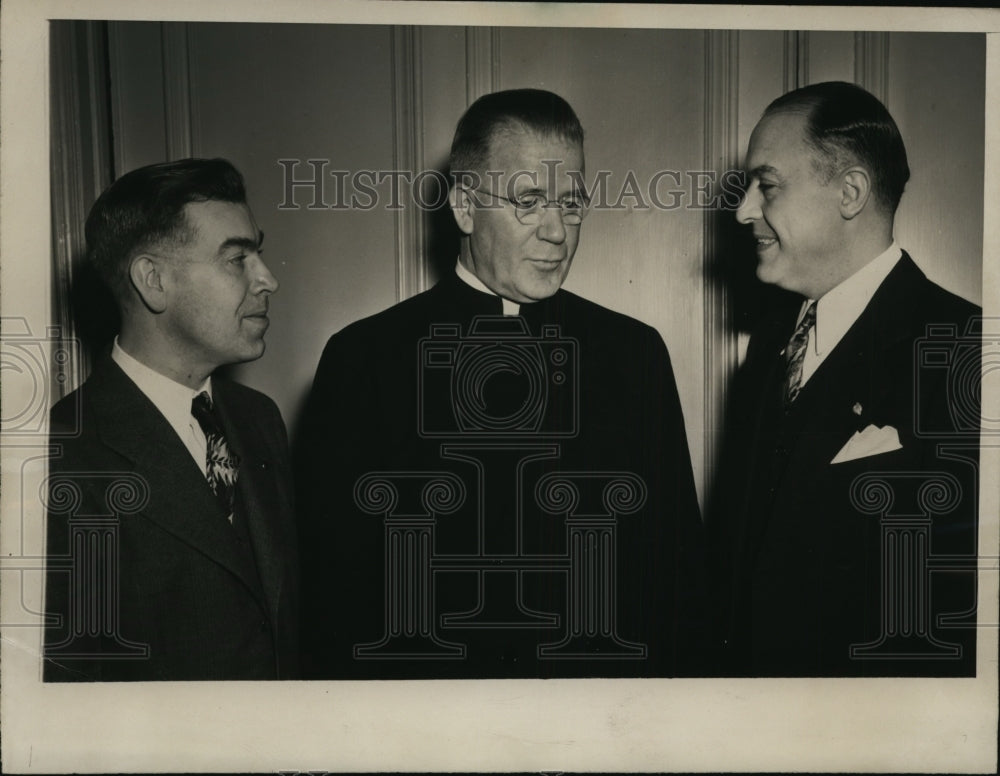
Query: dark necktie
[
  {"x": 221, "y": 464},
  {"x": 795, "y": 354}
]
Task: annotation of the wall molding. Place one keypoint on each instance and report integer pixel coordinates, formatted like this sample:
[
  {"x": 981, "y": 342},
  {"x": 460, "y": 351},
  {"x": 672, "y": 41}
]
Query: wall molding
[
  {"x": 721, "y": 118},
  {"x": 176, "y": 89},
  {"x": 116, "y": 100},
  {"x": 412, "y": 271},
  {"x": 871, "y": 62},
  {"x": 81, "y": 167},
  {"x": 482, "y": 62},
  {"x": 796, "y": 64}
]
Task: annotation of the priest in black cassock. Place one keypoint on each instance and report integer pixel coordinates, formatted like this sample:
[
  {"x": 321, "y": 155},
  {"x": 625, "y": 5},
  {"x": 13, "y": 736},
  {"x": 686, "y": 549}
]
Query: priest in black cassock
[{"x": 493, "y": 475}]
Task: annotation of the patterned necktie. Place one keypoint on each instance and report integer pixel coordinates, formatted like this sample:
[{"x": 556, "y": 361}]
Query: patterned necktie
[
  {"x": 795, "y": 354},
  {"x": 221, "y": 464}
]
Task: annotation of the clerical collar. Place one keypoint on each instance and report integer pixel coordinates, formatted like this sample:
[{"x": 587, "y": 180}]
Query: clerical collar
[{"x": 509, "y": 307}]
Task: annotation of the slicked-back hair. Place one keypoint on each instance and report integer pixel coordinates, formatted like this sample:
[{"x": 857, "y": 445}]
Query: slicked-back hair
[
  {"x": 846, "y": 125},
  {"x": 145, "y": 207},
  {"x": 515, "y": 110}
]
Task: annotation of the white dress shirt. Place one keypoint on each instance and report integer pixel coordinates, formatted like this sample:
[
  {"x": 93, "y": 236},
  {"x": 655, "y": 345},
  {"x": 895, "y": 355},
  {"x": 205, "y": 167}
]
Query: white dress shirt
[
  {"x": 509, "y": 307},
  {"x": 842, "y": 305},
  {"x": 172, "y": 399}
]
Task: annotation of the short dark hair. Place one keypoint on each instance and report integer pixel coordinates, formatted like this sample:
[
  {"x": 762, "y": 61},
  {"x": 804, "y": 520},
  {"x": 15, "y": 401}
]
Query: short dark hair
[
  {"x": 146, "y": 206},
  {"x": 844, "y": 124},
  {"x": 513, "y": 110}
]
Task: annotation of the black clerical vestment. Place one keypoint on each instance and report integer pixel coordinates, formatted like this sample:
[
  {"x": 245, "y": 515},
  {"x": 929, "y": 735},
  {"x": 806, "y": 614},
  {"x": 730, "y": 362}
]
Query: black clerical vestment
[{"x": 498, "y": 497}]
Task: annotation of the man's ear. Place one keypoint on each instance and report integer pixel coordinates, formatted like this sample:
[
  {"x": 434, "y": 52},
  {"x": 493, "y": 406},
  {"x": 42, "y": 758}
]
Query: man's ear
[
  {"x": 855, "y": 190},
  {"x": 463, "y": 208},
  {"x": 146, "y": 274}
]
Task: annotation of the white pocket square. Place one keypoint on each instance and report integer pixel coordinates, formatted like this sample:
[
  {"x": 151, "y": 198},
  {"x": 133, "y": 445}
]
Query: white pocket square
[{"x": 872, "y": 441}]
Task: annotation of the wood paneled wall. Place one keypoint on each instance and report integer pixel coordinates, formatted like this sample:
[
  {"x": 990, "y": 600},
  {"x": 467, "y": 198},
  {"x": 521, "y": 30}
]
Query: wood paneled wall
[{"x": 381, "y": 98}]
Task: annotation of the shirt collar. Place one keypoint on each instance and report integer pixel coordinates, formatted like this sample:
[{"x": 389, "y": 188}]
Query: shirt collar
[
  {"x": 171, "y": 398},
  {"x": 841, "y": 306},
  {"x": 509, "y": 307}
]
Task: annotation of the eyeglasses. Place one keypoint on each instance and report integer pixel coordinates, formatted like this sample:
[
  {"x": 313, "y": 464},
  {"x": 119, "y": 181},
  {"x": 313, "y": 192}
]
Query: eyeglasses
[{"x": 528, "y": 207}]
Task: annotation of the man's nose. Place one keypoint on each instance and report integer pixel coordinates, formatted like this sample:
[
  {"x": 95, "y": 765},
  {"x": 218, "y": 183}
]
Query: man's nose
[
  {"x": 551, "y": 228},
  {"x": 263, "y": 280},
  {"x": 749, "y": 209}
]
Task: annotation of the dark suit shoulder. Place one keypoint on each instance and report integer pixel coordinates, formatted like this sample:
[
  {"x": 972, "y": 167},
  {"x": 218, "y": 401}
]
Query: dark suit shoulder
[
  {"x": 243, "y": 395},
  {"x": 249, "y": 409},
  {"x": 942, "y": 306},
  {"x": 78, "y": 418},
  {"x": 399, "y": 316},
  {"x": 923, "y": 299},
  {"x": 597, "y": 317},
  {"x": 65, "y": 415}
]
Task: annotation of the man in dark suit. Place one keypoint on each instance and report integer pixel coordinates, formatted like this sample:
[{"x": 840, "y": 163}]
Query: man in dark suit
[
  {"x": 845, "y": 523},
  {"x": 494, "y": 476},
  {"x": 171, "y": 545}
]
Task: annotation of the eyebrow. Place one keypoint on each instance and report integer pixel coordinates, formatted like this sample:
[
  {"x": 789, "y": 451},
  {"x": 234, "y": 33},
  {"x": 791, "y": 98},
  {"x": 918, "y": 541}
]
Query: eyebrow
[
  {"x": 574, "y": 192},
  {"x": 756, "y": 172},
  {"x": 243, "y": 242}
]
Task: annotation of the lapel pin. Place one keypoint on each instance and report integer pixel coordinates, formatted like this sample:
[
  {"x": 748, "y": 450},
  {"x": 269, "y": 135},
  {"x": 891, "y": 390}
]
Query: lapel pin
[{"x": 857, "y": 408}]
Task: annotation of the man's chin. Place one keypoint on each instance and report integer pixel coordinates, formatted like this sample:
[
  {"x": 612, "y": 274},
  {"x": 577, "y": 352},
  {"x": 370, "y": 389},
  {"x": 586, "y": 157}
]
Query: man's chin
[
  {"x": 536, "y": 292},
  {"x": 252, "y": 351},
  {"x": 543, "y": 283},
  {"x": 768, "y": 273},
  {"x": 784, "y": 282}
]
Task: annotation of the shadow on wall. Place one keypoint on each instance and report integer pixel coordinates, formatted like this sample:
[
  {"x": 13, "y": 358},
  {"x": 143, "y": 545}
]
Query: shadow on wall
[
  {"x": 95, "y": 311},
  {"x": 443, "y": 235},
  {"x": 732, "y": 266}
]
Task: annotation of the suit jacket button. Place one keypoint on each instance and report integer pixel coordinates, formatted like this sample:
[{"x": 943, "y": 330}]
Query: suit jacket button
[{"x": 264, "y": 627}]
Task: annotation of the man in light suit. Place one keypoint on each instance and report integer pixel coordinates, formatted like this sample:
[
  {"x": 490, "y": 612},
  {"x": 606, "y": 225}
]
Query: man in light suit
[
  {"x": 494, "y": 475},
  {"x": 845, "y": 524},
  {"x": 171, "y": 544}
]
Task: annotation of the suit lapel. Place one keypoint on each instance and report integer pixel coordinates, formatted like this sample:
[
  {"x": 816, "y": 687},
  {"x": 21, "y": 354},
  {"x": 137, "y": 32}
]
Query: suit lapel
[
  {"x": 853, "y": 377},
  {"x": 256, "y": 487},
  {"x": 181, "y": 501},
  {"x": 852, "y": 385},
  {"x": 823, "y": 416}
]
